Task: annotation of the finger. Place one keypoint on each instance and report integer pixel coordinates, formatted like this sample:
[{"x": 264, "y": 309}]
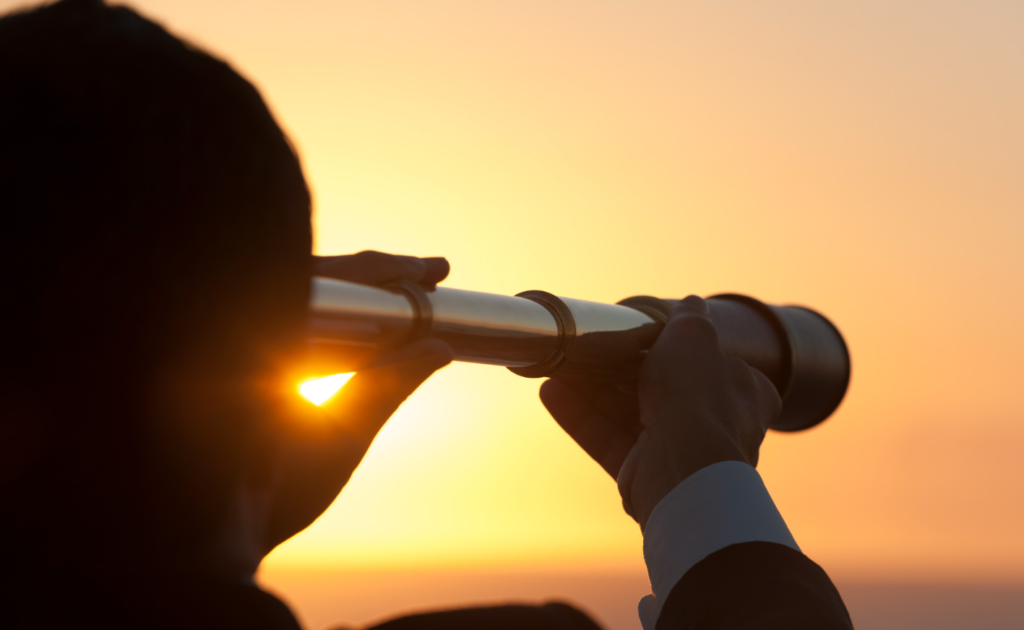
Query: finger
[
  {"x": 618, "y": 405},
  {"x": 692, "y": 304},
  {"x": 751, "y": 422},
  {"x": 436, "y": 271},
  {"x": 373, "y": 395},
  {"x": 742, "y": 375},
  {"x": 325, "y": 357},
  {"x": 771, "y": 400},
  {"x": 600, "y": 438},
  {"x": 370, "y": 267},
  {"x": 690, "y": 324}
]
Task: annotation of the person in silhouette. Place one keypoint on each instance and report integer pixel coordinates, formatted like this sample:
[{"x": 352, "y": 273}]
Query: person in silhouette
[{"x": 157, "y": 247}]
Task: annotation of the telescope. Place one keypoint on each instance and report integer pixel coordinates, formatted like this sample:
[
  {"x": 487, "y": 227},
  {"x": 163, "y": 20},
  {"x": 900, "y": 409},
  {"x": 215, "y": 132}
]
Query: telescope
[{"x": 537, "y": 334}]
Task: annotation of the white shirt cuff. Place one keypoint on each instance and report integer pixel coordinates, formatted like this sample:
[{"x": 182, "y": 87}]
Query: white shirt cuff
[{"x": 720, "y": 505}]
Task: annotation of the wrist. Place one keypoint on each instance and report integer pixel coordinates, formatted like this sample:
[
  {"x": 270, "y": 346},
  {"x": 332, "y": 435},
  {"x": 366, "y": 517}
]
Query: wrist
[{"x": 656, "y": 466}]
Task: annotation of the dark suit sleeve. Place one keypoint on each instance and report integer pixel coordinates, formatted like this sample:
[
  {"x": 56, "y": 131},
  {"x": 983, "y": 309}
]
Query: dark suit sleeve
[{"x": 754, "y": 585}]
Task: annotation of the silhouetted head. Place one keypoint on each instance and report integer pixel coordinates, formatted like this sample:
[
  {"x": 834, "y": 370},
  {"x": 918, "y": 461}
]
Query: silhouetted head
[{"x": 156, "y": 256}]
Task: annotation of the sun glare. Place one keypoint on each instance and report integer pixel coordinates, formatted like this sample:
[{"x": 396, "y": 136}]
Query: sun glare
[{"x": 319, "y": 390}]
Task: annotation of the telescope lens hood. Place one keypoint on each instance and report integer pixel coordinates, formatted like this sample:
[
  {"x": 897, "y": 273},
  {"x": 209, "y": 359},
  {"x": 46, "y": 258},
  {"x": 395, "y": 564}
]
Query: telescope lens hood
[
  {"x": 819, "y": 368},
  {"x": 808, "y": 362}
]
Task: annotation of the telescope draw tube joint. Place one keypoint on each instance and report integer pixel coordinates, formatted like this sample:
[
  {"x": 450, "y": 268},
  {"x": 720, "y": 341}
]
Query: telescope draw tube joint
[
  {"x": 566, "y": 334},
  {"x": 423, "y": 311}
]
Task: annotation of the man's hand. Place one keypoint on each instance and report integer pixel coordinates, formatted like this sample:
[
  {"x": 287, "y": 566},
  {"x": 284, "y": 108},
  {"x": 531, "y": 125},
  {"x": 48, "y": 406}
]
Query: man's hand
[
  {"x": 373, "y": 268},
  {"x": 327, "y": 443},
  {"x": 696, "y": 407},
  {"x": 376, "y": 268}
]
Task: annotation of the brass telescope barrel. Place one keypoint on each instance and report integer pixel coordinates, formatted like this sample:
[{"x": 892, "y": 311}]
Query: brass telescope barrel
[{"x": 537, "y": 334}]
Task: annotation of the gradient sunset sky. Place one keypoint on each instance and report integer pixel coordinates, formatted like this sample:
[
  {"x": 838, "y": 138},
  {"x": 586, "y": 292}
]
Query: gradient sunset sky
[{"x": 865, "y": 159}]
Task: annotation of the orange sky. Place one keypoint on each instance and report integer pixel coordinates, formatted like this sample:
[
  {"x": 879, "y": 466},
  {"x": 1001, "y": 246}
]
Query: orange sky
[{"x": 865, "y": 159}]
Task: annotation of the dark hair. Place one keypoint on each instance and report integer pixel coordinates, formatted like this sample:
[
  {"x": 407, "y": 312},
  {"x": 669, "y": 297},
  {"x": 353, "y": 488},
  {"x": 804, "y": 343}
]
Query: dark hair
[{"x": 152, "y": 210}]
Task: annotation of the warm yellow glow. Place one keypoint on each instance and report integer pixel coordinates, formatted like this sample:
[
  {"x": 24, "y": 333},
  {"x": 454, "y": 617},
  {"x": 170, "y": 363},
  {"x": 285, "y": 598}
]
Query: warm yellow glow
[
  {"x": 852, "y": 157},
  {"x": 319, "y": 390}
]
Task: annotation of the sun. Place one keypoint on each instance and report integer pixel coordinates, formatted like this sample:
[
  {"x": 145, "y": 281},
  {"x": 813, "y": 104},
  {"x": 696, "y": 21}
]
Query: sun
[{"x": 319, "y": 390}]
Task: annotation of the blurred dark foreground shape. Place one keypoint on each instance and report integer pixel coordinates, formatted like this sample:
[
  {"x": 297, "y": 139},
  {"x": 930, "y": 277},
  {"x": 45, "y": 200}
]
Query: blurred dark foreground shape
[{"x": 552, "y": 616}]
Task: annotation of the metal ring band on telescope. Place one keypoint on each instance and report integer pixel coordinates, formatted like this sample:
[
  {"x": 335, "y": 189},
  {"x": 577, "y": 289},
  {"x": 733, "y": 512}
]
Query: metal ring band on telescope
[
  {"x": 423, "y": 311},
  {"x": 566, "y": 334},
  {"x": 655, "y": 308}
]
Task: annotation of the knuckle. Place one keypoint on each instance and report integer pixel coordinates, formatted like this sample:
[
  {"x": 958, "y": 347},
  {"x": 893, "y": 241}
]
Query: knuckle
[
  {"x": 413, "y": 267},
  {"x": 692, "y": 303},
  {"x": 371, "y": 256}
]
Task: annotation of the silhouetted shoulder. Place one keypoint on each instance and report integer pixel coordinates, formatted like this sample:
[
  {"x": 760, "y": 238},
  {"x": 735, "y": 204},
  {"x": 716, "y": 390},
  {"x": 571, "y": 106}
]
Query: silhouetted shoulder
[{"x": 755, "y": 585}]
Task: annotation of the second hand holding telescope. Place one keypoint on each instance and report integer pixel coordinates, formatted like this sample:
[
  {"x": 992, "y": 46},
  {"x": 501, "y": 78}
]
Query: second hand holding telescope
[{"x": 537, "y": 334}]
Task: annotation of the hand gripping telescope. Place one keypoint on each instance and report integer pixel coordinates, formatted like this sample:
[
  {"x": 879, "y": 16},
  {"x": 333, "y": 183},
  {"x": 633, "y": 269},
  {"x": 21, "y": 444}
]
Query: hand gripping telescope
[{"x": 537, "y": 334}]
